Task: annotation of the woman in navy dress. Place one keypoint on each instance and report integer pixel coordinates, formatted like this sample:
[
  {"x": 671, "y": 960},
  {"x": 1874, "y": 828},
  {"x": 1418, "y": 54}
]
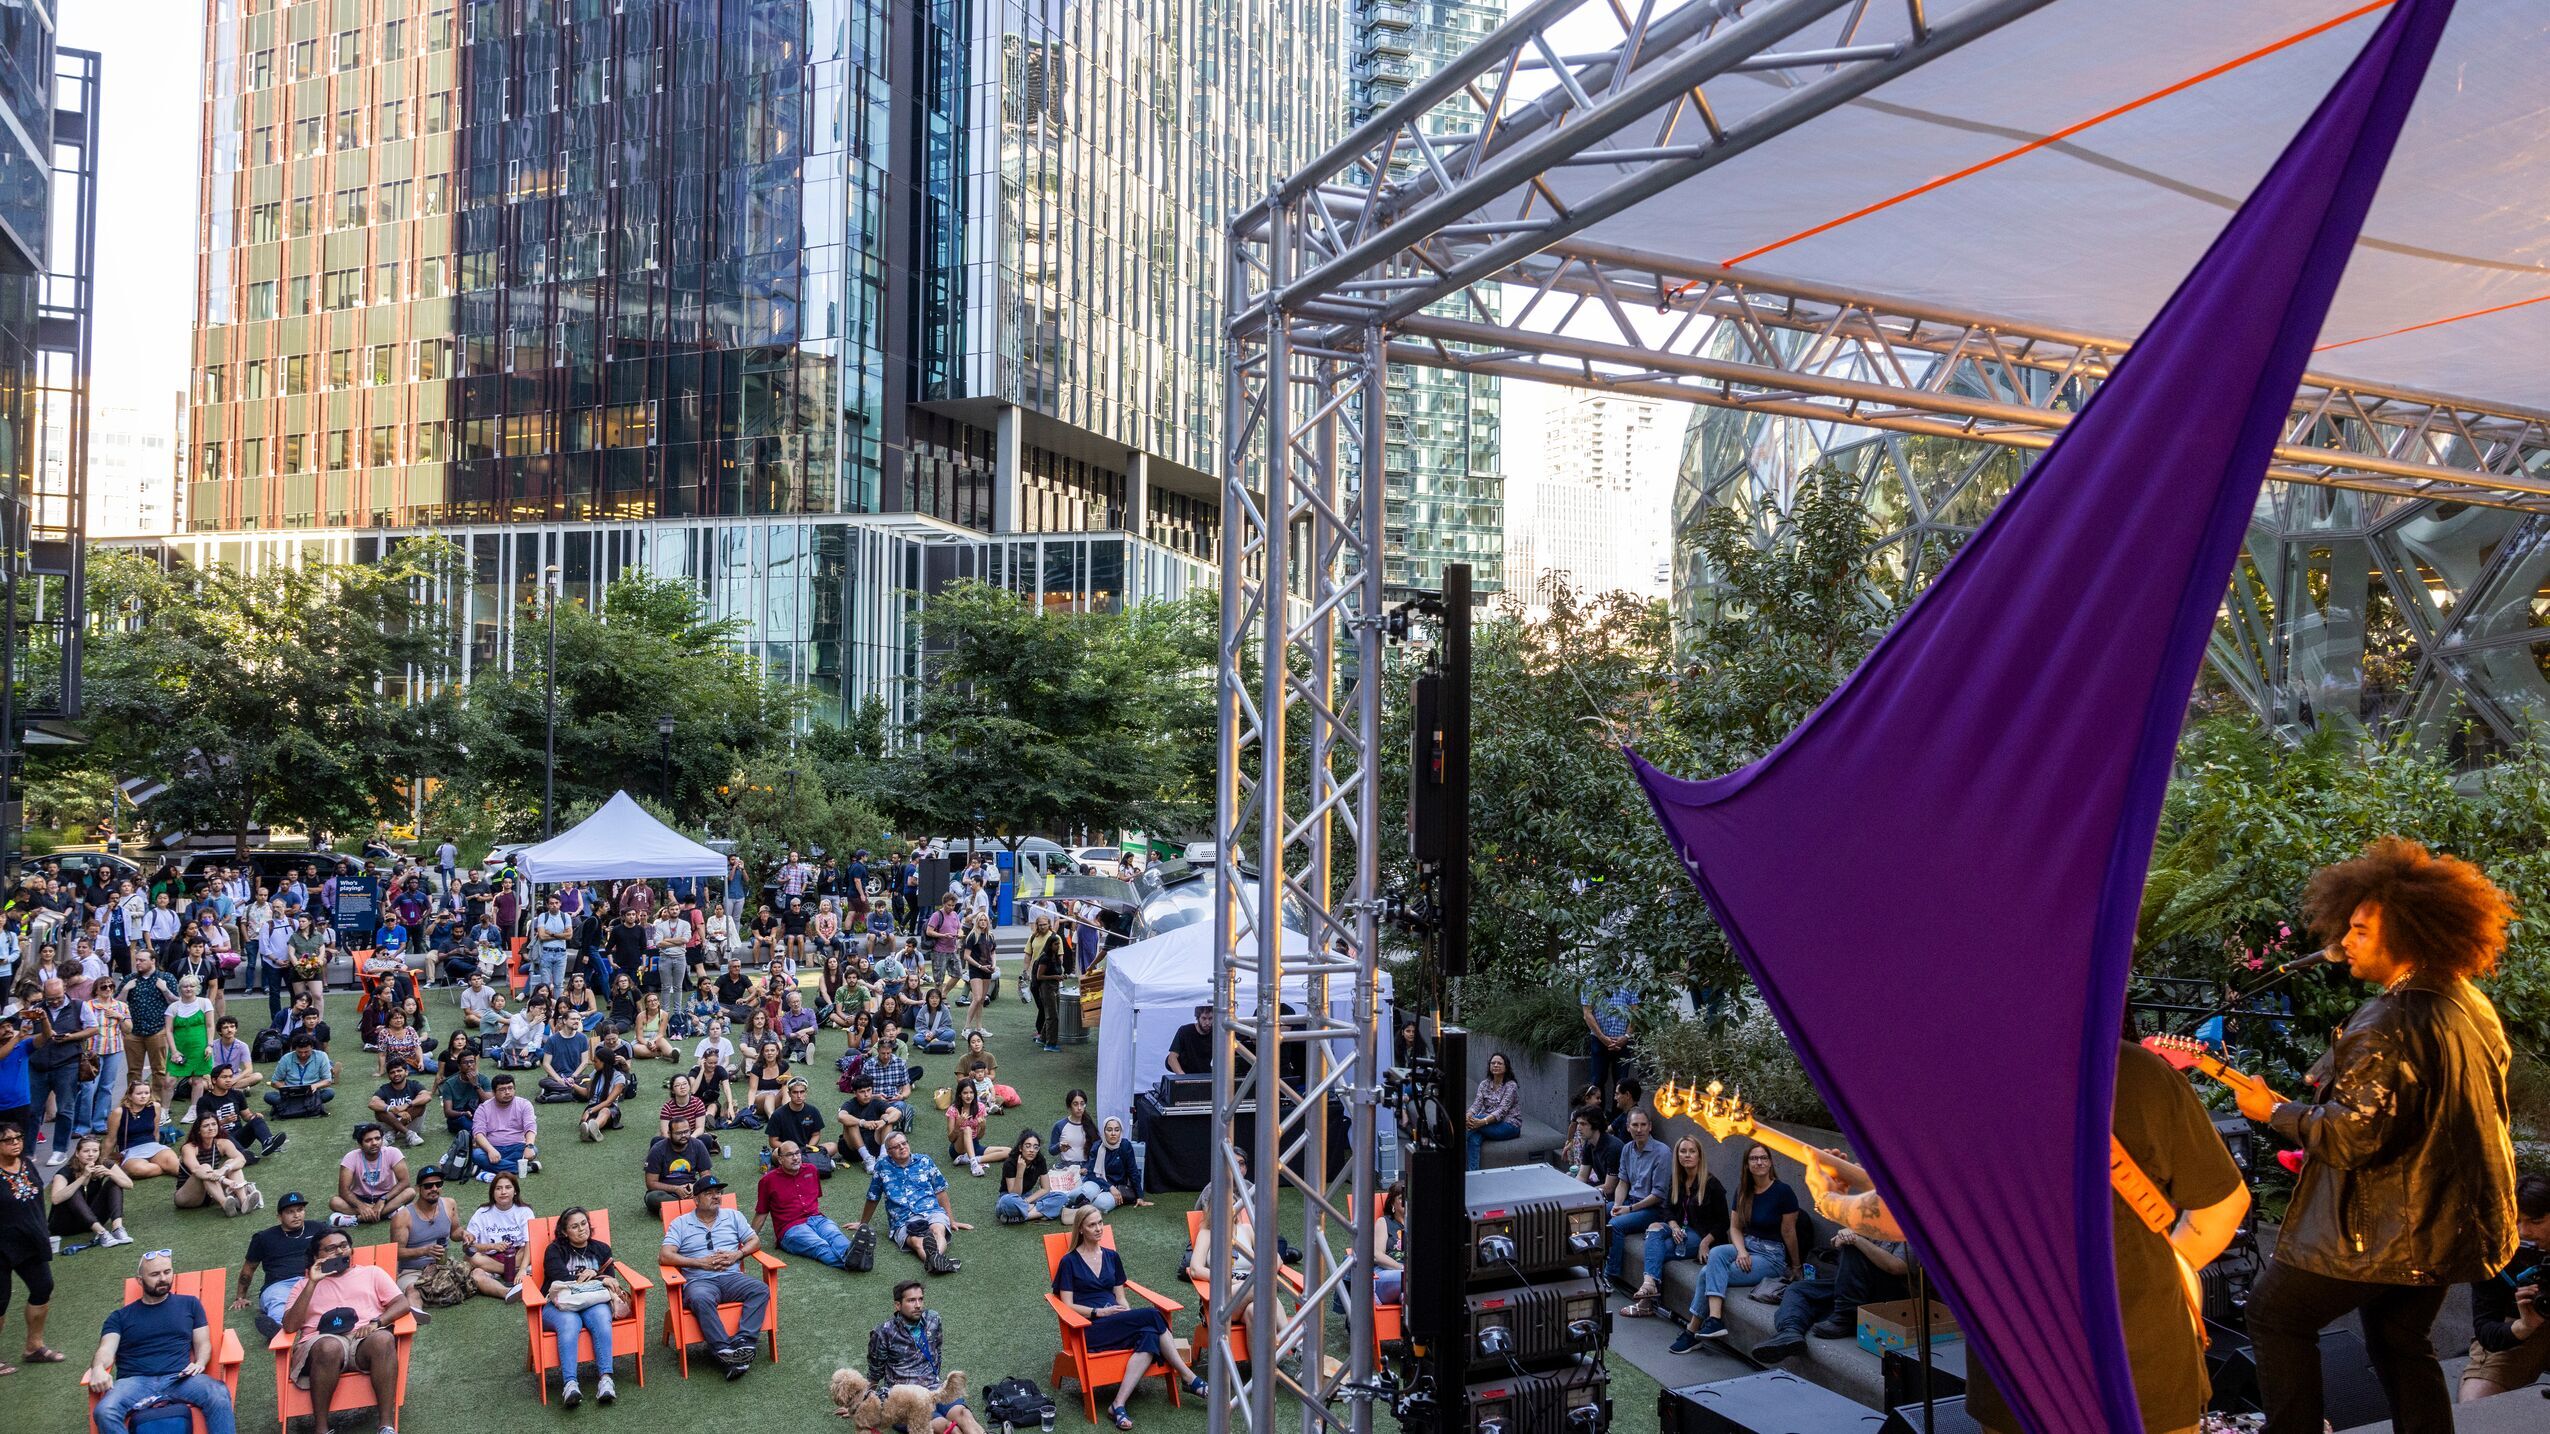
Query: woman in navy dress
[{"x": 1091, "y": 1279}]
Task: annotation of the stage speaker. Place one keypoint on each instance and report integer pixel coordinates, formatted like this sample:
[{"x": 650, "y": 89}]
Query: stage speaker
[
  {"x": 1554, "y": 1319},
  {"x": 1901, "y": 1375},
  {"x": 1572, "y": 1400},
  {"x": 1774, "y": 1403},
  {"x": 2231, "y": 1369},
  {"x": 2351, "y": 1394},
  {"x": 1947, "y": 1416}
]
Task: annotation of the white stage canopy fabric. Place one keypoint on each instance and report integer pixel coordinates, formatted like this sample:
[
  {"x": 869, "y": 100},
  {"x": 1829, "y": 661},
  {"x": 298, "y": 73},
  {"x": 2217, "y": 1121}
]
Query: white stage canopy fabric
[
  {"x": 621, "y": 842},
  {"x": 2066, "y": 169},
  {"x": 1153, "y": 988}
]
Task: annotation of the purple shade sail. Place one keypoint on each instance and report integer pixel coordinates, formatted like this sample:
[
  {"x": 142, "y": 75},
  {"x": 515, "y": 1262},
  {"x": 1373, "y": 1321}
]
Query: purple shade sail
[{"x": 1934, "y": 880}]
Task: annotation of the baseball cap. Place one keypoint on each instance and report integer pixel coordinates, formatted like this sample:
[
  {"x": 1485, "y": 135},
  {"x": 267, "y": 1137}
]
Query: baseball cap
[
  {"x": 707, "y": 1182},
  {"x": 290, "y": 1199}
]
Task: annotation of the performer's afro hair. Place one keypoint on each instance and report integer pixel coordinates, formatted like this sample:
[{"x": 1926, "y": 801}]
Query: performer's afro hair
[{"x": 2439, "y": 913}]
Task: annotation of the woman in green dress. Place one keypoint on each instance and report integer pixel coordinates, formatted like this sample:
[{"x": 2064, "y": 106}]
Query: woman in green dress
[{"x": 189, "y": 1032}]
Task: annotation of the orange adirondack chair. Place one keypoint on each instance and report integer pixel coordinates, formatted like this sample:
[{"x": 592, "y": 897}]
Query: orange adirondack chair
[
  {"x": 681, "y": 1327},
  {"x": 1285, "y": 1275},
  {"x": 1388, "y": 1327},
  {"x": 627, "y": 1335},
  {"x": 211, "y": 1289},
  {"x": 354, "y": 1388},
  {"x": 1099, "y": 1367}
]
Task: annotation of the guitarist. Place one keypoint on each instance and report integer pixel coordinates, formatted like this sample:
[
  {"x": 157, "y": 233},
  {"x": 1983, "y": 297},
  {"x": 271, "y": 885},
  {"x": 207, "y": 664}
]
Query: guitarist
[
  {"x": 2165, "y": 1129},
  {"x": 2409, "y": 1185}
]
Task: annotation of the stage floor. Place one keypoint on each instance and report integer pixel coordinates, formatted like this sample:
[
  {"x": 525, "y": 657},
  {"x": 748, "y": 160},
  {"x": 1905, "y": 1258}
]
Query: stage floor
[{"x": 2522, "y": 1411}]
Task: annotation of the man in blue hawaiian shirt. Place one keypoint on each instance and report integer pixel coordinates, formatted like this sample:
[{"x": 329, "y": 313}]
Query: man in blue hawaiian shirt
[{"x": 918, "y": 1216}]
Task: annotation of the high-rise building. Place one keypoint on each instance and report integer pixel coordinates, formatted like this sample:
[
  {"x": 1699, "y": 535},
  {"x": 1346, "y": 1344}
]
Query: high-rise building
[
  {"x": 818, "y": 303},
  {"x": 132, "y": 477},
  {"x": 1443, "y": 494},
  {"x": 1597, "y": 510}
]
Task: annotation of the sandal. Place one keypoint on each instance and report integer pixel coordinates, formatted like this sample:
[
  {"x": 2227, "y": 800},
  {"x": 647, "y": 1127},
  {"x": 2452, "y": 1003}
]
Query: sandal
[
  {"x": 42, "y": 1355},
  {"x": 1123, "y": 1420},
  {"x": 7, "y": 1369}
]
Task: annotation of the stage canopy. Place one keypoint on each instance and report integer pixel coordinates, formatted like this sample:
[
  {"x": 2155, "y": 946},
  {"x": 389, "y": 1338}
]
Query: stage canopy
[
  {"x": 1154, "y": 986},
  {"x": 2015, "y": 186},
  {"x": 620, "y": 842}
]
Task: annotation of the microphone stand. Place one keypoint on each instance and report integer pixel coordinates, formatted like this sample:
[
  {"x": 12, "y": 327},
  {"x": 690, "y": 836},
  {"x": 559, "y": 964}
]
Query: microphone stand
[{"x": 2275, "y": 978}]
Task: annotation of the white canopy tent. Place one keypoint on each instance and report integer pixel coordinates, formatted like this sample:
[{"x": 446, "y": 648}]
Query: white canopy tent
[
  {"x": 621, "y": 842},
  {"x": 1153, "y": 988}
]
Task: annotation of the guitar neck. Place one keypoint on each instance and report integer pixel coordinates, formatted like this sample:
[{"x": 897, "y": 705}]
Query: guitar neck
[
  {"x": 2237, "y": 1080},
  {"x": 1804, "y": 1154}
]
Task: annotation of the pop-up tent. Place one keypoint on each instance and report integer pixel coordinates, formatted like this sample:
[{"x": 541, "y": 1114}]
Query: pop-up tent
[
  {"x": 1154, "y": 986},
  {"x": 621, "y": 842}
]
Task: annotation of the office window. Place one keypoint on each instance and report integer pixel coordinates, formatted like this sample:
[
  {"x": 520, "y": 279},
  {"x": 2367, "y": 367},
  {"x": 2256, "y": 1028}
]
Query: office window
[
  {"x": 384, "y": 446},
  {"x": 344, "y": 289},
  {"x": 351, "y": 209},
  {"x": 303, "y": 216},
  {"x": 429, "y": 442},
  {"x": 296, "y": 453},
  {"x": 429, "y": 279},
  {"x": 215, "y": 383},
  {"x": 349, "y": 49},
  {"x": 394, "y": 40},
  {"x": 261, "y": 299},
  {"x": 340, "y": 449},
  {"x": 384, "y": 363},
  {"x": 308, "y": 137},
  {"x": 438, "y": 113},
  {"x": 265, "y": 145},
  {"x": 211, "y": 464},
  {"x": 265, "y": 223},
  {"x": 340, "y": 368},
  {"x": 252, "y": 457},
  {"x": 305, "y": 59},
  {"x": 393, "y": 121},
  {"x": 349, "y": 129},
  {"x": 394, "y": 200},
  {"x": 433, "y": 359},
  {"x": 385, "y": 283},
  {"x": 438, "y": 29},
  {"x": 299, "y": 296},
  {"x": 430, "y": 194},
  {"x": 254, "y": 383},
  {"x": 296, "y": 373},
  {"x": 261, "y": 70}
]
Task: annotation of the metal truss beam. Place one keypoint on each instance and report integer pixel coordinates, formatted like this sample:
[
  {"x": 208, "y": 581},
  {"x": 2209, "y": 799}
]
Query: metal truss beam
[
  {"x": 1449, "y": 185},
  {"x": 1297, "y": 820},
  {"x": 1604, "y": 317}
]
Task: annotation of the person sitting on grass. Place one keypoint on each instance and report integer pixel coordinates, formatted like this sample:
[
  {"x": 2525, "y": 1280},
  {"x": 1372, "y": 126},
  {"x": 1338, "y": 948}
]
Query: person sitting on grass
[
  {"x": 422, "y": 1230},
  {"x": 867, "y": 1120},
  {"x": 675, "y": 1164},
  {"x": 650, "y": 1036},
  {"x": 462, "y": 1091},
  {"x": 1024, "y": 1198},
  {"x": 566, "y": 1064},
  {"x": 304, "y": 1080},
  {"x": 504, "y": 1133},
  {"x": 398, "y": 1042},
  {"x": 372, "y": 1181},
  {"x": 613, "y": 1082},
  {"x": 526, "y": 1031},
  {"x": 709, "y": 1244},
  {"x": 795, "y": 1024},
  {"x": 979, "y": 1066},
  {"x": 680, "y": 1103},
  {"x": 400, "y": 1103},
  {"x": 798, "y": 1120},
  {"x": 133, "y": 1135},
  {"x": 87, "y": 1192},
  {"x": 911, "y": 1348},
  {"x": 1115, "y": 1168},
  {"x": 1091, "y": 1279},
  {"x": 712, "y": 1073},
  {"x": 499, "y": 1231},
  {"x": 790, "y": 1197},
  {"x": 228, "y": 1050},
  {"x": 966, "y": 1119},
  {"x": 155, "y": 1350},
  {"x": 341, "y": 1318},
  {"x": 770, "y": 1080},
  {"x": 575, "y": 1257},
  {"x": 280, "y": 1253},
  {"x": 918, "y": 1214},
  {"x": 1761, "y": 1245},
  {"x": 221, "y": 1097},
  {"x": 934, "y": 1025},
  {"x": 215, "y": 1171}
]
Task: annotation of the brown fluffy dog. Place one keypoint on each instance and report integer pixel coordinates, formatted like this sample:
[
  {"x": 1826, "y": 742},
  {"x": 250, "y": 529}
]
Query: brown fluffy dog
[{"x": 908, "y": 1406}]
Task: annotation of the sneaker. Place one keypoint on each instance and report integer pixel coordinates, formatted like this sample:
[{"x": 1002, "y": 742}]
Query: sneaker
[
  {"x": 938, "y": 1263},
  {"x": 572, "y": 1395},
  {"x": 1777, "y": 1348},
  {"x": 978, "y": 1169},
  {"x": 1713, "y": 1328},
  {"x": 530, "y": 1167},
  {"x": 343, "y": 1222},
  {"x": 586, "y": 1133},
  {"x": 604, "y": 1392},
  {"x": 414, "y": 1138},
  {"x": 1831, "y": 1327},
  {"x": 1684, "y": 1342},
  {"x": 272, "y": 1146},
  {"x": 513, "y": 1292},
  {"x": 486, "y": 1177},
  {"x": 738, "y": 1370}
]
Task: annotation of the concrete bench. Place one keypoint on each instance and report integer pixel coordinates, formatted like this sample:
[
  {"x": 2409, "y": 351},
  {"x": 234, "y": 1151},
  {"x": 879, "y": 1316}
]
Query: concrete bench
[
  {"x": 1532, "y": 1147},
  {"x": 1837, "y": 1364}
]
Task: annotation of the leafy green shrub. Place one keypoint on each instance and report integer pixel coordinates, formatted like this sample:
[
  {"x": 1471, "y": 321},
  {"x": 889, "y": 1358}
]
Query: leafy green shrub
[{"x": 1747, "y": 1051}]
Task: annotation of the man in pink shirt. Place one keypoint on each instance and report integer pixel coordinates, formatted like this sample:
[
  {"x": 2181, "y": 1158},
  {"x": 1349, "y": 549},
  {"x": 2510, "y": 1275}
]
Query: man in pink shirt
[
  {"x": 790, "y": 1197},
  {"x": 504, "y": 1133},
  {"x": 341, "y": 1320}
]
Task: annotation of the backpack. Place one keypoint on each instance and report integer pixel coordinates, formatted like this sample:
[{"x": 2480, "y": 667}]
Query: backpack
[
  {"x": 445, "y": 1283},
  {"x": 862, "y": 1255},
  {"x": 1016, "y": 1401},
  {"x": 268, "y": 1047}
]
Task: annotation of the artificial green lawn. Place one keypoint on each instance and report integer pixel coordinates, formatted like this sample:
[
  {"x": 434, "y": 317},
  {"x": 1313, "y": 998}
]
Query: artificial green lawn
[{"x": 469, "y": 1369}]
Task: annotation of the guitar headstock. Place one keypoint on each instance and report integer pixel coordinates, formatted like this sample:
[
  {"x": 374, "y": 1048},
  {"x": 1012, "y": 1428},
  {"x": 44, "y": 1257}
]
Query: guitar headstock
[
  {"x": 2184, "y": 1053},
  {"x": 1724, "y": 1116}
]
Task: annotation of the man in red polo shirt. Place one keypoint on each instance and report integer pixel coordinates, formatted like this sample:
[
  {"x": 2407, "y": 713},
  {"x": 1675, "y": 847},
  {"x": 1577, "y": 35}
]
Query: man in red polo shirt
[{"x": 790, "y": 1197}]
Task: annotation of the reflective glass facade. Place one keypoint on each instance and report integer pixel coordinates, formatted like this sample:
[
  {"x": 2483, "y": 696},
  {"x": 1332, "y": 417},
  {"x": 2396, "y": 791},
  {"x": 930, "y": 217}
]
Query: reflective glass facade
[
  {"x": 2353, "y": 610},
  {"x": 1443, "y": 494}
]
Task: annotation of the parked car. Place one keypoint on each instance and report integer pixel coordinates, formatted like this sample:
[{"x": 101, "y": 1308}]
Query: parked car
[
  {"x": 73, "y": 861},
  {"x": 272, "y": 864},
  {"x": 1097, "y": 860}
]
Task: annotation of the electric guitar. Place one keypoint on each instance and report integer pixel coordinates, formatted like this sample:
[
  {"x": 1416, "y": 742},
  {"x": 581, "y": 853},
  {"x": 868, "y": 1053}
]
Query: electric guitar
[{"x": 2186, "y": 1053}]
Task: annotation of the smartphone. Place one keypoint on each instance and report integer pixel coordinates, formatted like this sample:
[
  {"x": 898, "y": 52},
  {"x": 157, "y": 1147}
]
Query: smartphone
[{"x": 337, "y": 1266}]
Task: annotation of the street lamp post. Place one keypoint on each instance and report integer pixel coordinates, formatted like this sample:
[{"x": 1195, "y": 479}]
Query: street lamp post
[
  {"x": 664, "y": 740},
  {"x": 549, "y": 743}
]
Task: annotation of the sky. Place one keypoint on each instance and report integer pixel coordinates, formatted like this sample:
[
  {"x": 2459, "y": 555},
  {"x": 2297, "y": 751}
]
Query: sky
[{"x": 147, "y": 201}]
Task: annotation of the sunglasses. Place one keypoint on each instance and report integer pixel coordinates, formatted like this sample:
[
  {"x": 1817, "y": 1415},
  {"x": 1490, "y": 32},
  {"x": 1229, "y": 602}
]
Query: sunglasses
[{"x": 159, "y": 1254}]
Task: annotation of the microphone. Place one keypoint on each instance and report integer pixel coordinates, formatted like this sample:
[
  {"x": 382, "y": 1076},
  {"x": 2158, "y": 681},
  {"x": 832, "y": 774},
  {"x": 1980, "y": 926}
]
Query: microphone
[{"x": 2331, "y": 956}]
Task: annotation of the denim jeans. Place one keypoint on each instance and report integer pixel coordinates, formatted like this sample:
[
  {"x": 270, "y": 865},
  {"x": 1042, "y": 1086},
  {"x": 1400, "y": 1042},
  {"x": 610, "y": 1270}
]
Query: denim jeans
[
  {"x": 508, "y": 1159},
  {"x": 1770, "y": 1261},
  {"x": 593, "y": 1320},
  {"x": 1499, "y": 1130},
  {"x": 553, "y": 968},
  {"x": 98, "y": 1097},
  {"x": 1102, "y": 1196},
  {"x": 1624, "y": 1229},
  {"x": 817, "y": 1238},
  {"x": 62, "y": 1082},
  {"x": 275, "y": 1300},
  {"x": 1662, "y": 1246},
  {"x": 1013, "y": 1210},
  {"x": 134, "y": 1390}
]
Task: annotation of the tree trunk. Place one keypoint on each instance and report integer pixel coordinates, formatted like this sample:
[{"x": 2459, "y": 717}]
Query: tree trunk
[{"x": 247, "y": 814}]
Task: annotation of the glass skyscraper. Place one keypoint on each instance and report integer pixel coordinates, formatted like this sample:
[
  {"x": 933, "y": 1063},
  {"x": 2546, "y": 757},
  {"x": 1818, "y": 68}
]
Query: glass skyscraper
[
  {"x": 735, "y": 289},
  {"x": 1443, "y": 486}
]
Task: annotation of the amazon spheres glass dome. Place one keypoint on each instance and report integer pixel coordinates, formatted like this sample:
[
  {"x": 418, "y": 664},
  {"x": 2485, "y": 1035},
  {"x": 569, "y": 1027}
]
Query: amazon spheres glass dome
[{"x": 2349, "y": 608}]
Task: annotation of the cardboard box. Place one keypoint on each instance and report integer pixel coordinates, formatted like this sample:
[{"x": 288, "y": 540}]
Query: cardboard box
[{"x": 1890, "y": 1326}]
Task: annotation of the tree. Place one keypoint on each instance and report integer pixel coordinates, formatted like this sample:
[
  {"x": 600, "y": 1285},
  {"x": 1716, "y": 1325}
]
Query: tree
[
  {"x": 648, "y": 652},
  {"x": 279, "y": 698},
  {"x": 1038, "y": 721}
]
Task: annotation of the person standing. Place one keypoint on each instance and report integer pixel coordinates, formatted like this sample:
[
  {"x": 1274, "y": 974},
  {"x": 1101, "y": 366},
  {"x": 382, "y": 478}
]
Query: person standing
[
  {"x": 549, "y": 932},
  {"x": 1048, "y": 964},
  {"x": 2409, "y": 1183},
  {"x": 156, "y": 1350},
  {"x": 26, "y": 1249},
  {"x": 63, "y": 1036}
]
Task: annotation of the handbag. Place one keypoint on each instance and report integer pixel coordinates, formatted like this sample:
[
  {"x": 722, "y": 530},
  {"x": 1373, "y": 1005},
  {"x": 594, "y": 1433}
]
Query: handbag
[
  {"x": 862, "y": 1255},
  {"x": 581, "y": 1295}
]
